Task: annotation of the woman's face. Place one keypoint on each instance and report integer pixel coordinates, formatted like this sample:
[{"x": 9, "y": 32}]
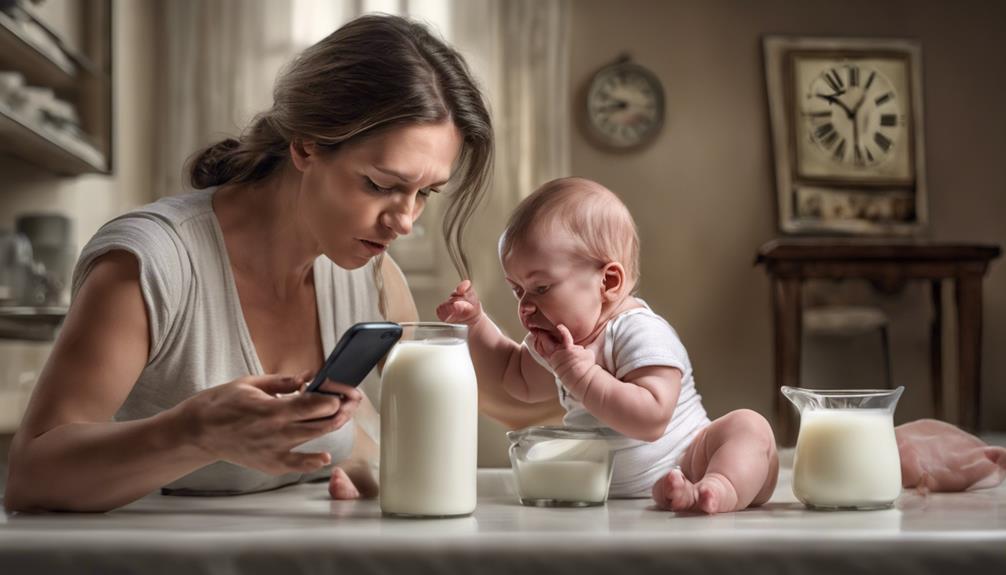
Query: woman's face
[{"x": 358, "y": 199}]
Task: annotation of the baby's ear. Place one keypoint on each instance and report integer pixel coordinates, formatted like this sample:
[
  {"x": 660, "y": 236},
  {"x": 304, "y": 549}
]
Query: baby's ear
[{"x": 612, "y": 281}]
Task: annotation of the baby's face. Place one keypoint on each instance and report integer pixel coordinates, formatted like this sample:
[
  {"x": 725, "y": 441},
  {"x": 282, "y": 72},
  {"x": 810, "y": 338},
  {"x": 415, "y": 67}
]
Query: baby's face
[{"x": 553, "y": 286}]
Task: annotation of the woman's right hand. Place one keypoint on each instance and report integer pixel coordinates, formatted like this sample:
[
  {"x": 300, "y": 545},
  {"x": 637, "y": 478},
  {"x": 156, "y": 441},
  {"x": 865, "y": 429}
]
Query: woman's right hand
[
  {"x": 256, "y": 421},
  {"x": 462, "y": 306}
]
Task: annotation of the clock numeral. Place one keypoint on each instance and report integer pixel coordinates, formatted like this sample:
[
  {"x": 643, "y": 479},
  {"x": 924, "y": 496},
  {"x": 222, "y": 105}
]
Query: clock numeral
[
  {"x": 883, "y": 141},
  {"x": 869, "y": 81},
  {"x": 821, "y": 114},
  {"x": 857, "y": 155},
  {"x": 834, "y": 80},
  {"x": 824, "y": 130},
  {"x": 889, "y": 120},
  {"x": 840, "y": 150},
  {"x": 869, "y": 154},
  {"x": 885, "y": 97},
  {"x": 853, "y": 76}
]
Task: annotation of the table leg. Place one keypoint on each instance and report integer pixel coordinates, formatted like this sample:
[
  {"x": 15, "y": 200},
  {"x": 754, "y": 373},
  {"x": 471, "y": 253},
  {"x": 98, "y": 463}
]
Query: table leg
[
  {"x": 969, "y": 349},
  {"x": 936, "y": 349},
  {"x": 787, "y": 327}
]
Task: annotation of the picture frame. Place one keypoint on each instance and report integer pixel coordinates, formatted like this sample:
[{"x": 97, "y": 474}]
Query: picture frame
[{"x": 847, "y": 131}]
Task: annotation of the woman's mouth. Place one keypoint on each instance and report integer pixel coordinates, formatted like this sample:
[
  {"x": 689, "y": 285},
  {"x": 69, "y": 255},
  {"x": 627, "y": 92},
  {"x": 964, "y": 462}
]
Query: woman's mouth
[{"x": 374, "y": 248}]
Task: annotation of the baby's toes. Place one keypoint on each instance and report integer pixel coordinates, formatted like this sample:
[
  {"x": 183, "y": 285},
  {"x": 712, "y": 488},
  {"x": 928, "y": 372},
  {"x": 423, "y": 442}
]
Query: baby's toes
[{"x": 340, "y": 486}]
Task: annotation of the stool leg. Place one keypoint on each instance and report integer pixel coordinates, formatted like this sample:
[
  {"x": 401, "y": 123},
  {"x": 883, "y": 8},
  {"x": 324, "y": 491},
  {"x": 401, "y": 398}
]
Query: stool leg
[{"x": 885, "y": 345}]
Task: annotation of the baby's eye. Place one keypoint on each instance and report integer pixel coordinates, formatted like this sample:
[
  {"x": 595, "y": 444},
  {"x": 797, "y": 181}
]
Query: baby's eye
[
  {"x": 517, "y": 292},
  {"x": 541, "y": 290}
]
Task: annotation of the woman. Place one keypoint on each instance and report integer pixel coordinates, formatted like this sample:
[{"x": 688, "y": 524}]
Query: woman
[{"x": 195, "y": 318}]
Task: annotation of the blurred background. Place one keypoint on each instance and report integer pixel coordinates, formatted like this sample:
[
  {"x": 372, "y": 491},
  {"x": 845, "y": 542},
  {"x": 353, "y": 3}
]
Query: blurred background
[{"x": 101, "y": 102}]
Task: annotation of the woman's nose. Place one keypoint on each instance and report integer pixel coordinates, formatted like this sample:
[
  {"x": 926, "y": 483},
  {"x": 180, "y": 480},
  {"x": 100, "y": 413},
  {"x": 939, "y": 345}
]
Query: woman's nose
[{"x": 400, "y": 216}]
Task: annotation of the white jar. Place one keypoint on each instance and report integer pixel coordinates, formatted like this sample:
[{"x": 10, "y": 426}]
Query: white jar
[{"x": 429, "y": 423}]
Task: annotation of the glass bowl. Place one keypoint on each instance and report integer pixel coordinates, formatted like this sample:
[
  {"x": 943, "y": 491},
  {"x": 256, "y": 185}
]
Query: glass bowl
[{"x": 561, "y": 466}]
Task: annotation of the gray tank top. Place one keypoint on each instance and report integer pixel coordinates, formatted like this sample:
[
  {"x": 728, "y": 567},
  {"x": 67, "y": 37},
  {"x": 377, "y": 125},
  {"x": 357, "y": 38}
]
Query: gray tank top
[{"x": 198, "y": 335}]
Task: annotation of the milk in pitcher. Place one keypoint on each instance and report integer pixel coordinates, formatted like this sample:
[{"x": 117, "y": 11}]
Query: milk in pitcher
[
  {"x": 846, "y": 458},
  {"x": 429, "y": 424}
]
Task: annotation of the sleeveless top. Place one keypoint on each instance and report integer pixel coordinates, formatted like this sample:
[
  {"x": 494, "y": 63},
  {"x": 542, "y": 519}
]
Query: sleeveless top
[{"x": 198, "y": 335}]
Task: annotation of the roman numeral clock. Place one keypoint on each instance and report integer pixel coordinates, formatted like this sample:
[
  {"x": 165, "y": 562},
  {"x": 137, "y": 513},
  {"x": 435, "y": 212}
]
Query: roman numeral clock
[{"x": 847, "y": 133}]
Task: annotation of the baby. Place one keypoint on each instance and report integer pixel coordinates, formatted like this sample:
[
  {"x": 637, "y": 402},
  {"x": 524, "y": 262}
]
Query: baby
[{"x": 570, "y": 252}]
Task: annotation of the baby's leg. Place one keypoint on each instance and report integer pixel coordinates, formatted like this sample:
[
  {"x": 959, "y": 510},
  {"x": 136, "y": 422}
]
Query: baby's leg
[{"x": 731, "y": 465}]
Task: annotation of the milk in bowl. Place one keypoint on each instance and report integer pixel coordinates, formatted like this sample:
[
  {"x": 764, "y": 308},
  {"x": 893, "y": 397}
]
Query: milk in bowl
[
  {"x": 846, "y": 452},
  {"x": 429, "y": 423}
]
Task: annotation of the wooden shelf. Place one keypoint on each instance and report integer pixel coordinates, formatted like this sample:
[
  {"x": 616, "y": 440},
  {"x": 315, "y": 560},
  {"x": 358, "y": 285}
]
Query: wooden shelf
[
  {"x": 19, "y": 52},
  {"x": 31, "y": 323},
  {"x": 80, "y": 77},
  {"x": 31, "y": 143}
]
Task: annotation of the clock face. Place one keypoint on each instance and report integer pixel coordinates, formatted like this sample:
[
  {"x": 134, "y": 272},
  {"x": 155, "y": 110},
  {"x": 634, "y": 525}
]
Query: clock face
[
  {"x": 853, "y": 119},
  {"x": 625, "y": 105}
]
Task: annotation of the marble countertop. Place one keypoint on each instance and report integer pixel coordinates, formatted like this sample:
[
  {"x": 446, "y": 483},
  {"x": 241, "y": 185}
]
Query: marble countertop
[{"x": 300, "y": 530}]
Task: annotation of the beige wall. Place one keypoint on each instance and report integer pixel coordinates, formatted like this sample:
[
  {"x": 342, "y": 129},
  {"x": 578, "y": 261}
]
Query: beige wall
[
  {"x": 704, "y": 197},
  {"x": 89, "y": 200}
]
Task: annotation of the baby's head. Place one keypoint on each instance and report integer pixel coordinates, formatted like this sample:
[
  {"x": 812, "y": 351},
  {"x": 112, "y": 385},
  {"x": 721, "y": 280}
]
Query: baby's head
[{"x": 572, "y": 237}]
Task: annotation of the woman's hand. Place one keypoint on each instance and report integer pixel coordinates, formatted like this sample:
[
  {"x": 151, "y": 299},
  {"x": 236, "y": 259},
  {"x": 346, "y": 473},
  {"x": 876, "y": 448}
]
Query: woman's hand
[
  {"x": 256, "y": 421},
  {"x": 462, "y": 306}
]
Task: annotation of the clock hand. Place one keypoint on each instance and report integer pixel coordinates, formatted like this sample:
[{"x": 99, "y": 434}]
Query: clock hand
[
  {"x": 833, "y": 99},
  {"x": 616, "y": 105}
]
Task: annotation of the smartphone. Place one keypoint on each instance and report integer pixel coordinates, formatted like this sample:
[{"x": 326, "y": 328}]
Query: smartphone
[{"x": 358, "y": 351}]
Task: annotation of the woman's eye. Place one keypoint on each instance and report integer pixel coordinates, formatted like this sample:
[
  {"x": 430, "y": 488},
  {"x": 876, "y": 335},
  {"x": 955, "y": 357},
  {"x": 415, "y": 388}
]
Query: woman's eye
[
  {"x": 427, "y": 192},
  {"x": 377, "y": 188}
]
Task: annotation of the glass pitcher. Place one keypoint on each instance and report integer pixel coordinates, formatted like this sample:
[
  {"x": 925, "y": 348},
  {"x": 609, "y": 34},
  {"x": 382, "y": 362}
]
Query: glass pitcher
[
  {"x": 429, "y": 423},
  {"x": 846, "y": 453}
]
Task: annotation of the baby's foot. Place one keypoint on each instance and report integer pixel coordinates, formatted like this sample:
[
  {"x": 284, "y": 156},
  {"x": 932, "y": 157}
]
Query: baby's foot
[
  {"x": 353, "y": 480},
  {"x": 674, "y": 492},
  {"x": 712, "y": 494},
  {"x": 340, "y": 486},
  {"x": 716, "y": 494}
]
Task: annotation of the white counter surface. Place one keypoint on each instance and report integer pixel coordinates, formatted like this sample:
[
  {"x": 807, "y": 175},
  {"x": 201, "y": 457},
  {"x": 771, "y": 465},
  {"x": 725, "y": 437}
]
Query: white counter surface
[{"x": 300, "y": 530}]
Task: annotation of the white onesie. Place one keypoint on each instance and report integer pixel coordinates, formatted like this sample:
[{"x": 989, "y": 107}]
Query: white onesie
[{"x": 634, "y": 339}]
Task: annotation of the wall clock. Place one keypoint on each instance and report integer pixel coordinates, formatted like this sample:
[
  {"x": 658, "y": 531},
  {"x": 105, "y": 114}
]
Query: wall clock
[
  {"x": 847, "y": 132},
  {"x": 625, "y": 106}
]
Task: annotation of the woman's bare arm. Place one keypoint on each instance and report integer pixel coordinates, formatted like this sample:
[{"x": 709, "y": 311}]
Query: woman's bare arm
[{"x": 68, "y": 453}]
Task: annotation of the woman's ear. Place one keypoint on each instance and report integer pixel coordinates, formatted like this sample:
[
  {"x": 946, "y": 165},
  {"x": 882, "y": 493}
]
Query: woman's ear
[
  {"x": 612, "y": 281},
  {"x": 302, "y": 152}
]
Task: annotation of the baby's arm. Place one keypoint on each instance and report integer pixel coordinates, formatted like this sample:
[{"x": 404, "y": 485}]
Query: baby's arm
[
  {"x": 496, "y": 357},
  {"x": 640, "y": 406}
]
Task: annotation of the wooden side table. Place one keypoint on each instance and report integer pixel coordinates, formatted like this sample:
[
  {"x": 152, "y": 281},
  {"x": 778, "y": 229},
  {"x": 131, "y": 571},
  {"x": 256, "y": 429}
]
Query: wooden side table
[{"x": 791, "y": 261}]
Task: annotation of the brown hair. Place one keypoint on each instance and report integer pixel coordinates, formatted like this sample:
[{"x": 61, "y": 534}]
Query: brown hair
[
  {"x": 590, "y": 212},
  {"x": 375, "y": 73}
]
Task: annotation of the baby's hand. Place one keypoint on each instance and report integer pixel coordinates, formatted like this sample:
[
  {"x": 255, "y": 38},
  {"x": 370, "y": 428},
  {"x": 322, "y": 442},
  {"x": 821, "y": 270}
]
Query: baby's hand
[
  {"x": 463, "y": 305},
  {"x": 572, "y": 363}
]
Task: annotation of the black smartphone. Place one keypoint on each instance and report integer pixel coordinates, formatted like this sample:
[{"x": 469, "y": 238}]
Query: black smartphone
[{"x": 358, "y": 351}]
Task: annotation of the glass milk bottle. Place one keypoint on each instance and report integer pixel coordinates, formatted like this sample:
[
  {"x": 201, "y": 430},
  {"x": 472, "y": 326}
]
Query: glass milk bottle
[
  {"x": 429, "y": 423},
  {"x": 846, "y": 452}
]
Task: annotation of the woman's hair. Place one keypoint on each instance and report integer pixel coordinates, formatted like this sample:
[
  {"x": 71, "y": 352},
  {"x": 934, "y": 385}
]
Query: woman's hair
[
  {"x": 591, "y": 213},
  {"x": 375, "y": 73}
]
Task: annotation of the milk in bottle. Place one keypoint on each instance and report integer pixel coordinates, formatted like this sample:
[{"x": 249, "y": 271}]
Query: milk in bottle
[{"x": 429, "y": 423}]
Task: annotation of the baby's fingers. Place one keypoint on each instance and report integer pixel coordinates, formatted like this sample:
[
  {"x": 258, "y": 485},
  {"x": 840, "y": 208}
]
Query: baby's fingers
[
  {"x": 463, "y": 288},
  {"x": 567, "y": 338}
]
